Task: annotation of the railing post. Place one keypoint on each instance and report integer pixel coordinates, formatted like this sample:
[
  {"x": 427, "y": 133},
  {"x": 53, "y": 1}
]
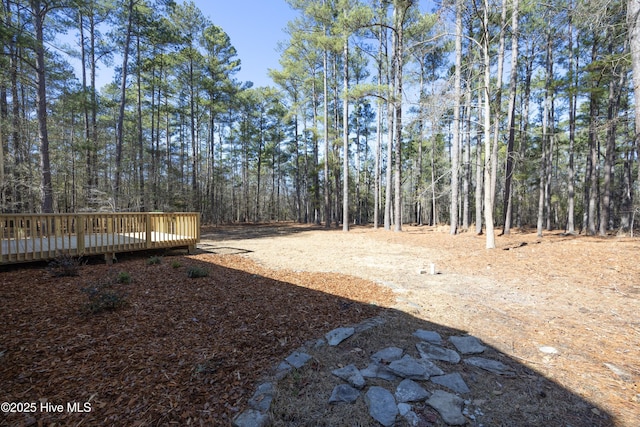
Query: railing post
[
  {"x": 148, "y": 230},
  {"x": 80, "y": 234}
]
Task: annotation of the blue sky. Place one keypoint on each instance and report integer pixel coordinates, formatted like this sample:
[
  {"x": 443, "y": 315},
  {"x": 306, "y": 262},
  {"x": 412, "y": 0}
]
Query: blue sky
[{"x": 255, "y": 28}]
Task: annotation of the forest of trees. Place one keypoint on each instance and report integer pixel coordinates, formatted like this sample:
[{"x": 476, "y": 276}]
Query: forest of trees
[{"x": 475, "y": 114}]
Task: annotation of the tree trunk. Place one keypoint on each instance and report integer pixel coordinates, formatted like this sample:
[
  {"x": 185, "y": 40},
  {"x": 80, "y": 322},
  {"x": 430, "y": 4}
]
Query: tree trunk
[
  {"x": 399, "y": 57},
  {"x": 39, "y": 12},
  {"x": 615, "y": 87},
  {"x": 488, "y": 161},
  {"x": 141, "y": 186},
  {"x": 479, "y": 163},
  {"x": 123, "y": 101},
  {"x": 377, "y": 167},
  {"x": 467, "y": 162},
  {"x": 85, "y": 106},
  {"x": 327, "y": 181},
  {"x": 592, "y": 176},
  {"x": 497, "y": 115},
  {"x": 511, "y": 120},
  {"x": 633, "y": 23},
  {"x": 345, "y": 139},
  {"x": 573, "y": 84},
  {"x": 524, "y": 127},
  {"x": 378, "y": 164},
  {"x": 390, "y": 130},
  {"x": 455, "y": 144},
  {"x": 545, "y": 161}
]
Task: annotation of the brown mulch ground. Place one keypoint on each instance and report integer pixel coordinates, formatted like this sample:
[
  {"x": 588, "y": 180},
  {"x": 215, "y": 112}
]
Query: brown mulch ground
[
  {"x": 191, "y": 351},
  {"x": 183, "y": 351}
]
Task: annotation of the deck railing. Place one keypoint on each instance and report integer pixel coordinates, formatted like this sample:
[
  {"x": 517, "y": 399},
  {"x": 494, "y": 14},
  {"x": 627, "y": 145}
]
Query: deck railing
[{"x": 32, "y": 237}]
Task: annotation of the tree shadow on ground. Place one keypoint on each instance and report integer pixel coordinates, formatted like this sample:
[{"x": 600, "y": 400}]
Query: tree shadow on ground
[
  {"x": 191, "y": 351},
  {"x": 257, "y": 230}
]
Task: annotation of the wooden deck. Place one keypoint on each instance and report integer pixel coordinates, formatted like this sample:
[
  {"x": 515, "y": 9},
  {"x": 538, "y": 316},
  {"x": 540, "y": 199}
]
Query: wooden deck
[{"x": 25, "y": 238}]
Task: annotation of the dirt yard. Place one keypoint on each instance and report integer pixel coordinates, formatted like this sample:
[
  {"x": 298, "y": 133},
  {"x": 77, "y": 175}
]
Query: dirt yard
[
  {"x": 189, "y": 351},
  {"x": 577, "y": 294}
]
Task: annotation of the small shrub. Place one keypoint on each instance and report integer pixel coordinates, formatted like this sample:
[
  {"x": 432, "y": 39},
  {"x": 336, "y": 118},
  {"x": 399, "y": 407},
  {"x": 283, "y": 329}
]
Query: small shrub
[
  {"x": 102, "y": 297},
  {"x": 195, "y": 272},
  {"x": 65, "y": 266},
  {"x": 176, "y": 264},
  {"x": 124, "y": 277},
  {"x": 154, "y": 260}
]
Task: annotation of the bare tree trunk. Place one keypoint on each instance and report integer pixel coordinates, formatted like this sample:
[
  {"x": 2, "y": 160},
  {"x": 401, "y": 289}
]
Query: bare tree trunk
[
  {"x": 479, "y": 164},
  {"x": 316, "y": 160},
  {"x": 592, "y": 176},
  {"x": 390, "y": 131},
  {"x": 633, "y": 22},
  {"x": 497, "y": 115},
  {"x": 399, "y": 57},
  {"x": 573, "y": 82},
  {"x": 123, "y": 101},
  {"x": 488, "y": 161},
  {"x": 606, "y": 222},
  {"x": 141, "y": 186},
  {"x": 39, "y": 12},
  {"x": 549, "y": 170},
  {"x": 511, "y": 120},
  {"x": 377, "y": 163},
  {"x": 455, "y": 144},
  {"x": 327, "y": 183},
  {"x": 434, "y": 205},
  {"x": 545, "y": 161},
  {"x": 4, "y": 114},
  {"x": 467, "y": 162},
  {"x": 345, "y": 139},
  {"x": 626, "y": 205},
  {"x": 296, "y": 137},
  {"x": 85, "y": 105},
  {"x": 609, "y": 162}
]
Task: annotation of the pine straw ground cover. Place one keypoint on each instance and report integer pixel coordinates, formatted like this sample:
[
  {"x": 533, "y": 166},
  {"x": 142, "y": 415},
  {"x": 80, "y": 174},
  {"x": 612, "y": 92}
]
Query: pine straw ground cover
[{"x": 180, "y": 351}]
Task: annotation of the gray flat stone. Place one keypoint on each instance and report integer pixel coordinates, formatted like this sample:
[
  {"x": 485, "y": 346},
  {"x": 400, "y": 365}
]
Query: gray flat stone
[
  {"x": 382, "y": 406},
  {"x": 344, "y": 393},
  {"x": 408, "y": 367},
  {"x": 449, "y": 406},
  {"x": 350, "y": 374},
  {"x": 453, "y": 382},
  {"x": 414, "y": 369},
  {"x": 429, "y": 336},
  {"x": 435, "y": 352},
  {"x": 251, "y": 418},
  {"x": 403, "y": 408},
  {"x": 387, "y": 355},
  {"x": 261, "y": 399},
  {"x": 338, "y": 335},
  {"x": 467, "y": 344},
  {"x": 432, "y": 368},
  {"x": 410, "y": 391},
  {"x": 376, "y": 370},
  {"x": 282, "y": 370},
  {"x": 407, "y": 413},
  {"x": 298, "y": 359},
  {"x": 491, "y": 365}
]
